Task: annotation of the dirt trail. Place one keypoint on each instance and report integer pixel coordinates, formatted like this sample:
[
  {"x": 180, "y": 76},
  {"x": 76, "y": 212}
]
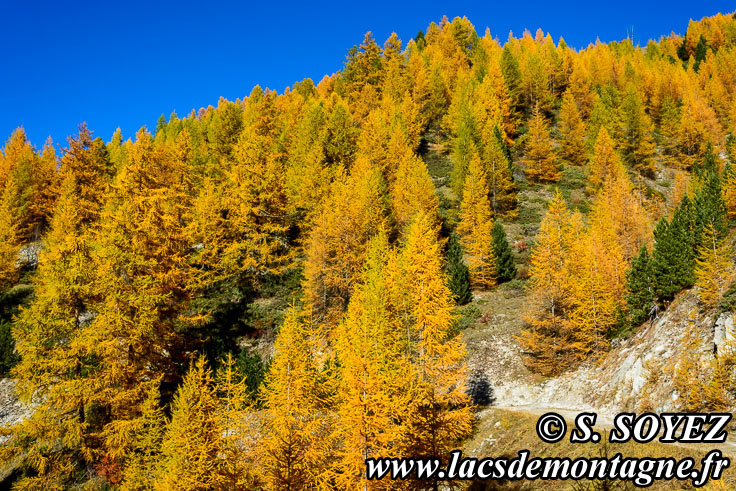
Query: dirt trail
[{"x": 635, "y": 376}]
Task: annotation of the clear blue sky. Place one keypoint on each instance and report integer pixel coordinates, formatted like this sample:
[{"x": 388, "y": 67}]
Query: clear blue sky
[{"x": 125, "y": 63}]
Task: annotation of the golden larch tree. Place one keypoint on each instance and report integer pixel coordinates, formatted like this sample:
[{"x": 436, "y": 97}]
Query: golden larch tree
[
  {"x": 295, "y": 447},
  {"x": 10, "y": 237},
  {"x": 626, "y": 208},
  {"x": 46, "y": 187},
  {"x": 439, "y": 415},
  {"x": 146, "y": 285},
  {"x": 236, "y": 420},
  {"x": 501, "y": 186},
  {"x": 355, "y": 210},
  {"x": 373, "y": 395},
  {"x": 540, "y": 159},
  {"x": 412, "y": 188},
  {"x": 476, "y": 225},
  {"x": 596, "y": 268},
  {"x": 714, "y": 268},
  {"x": 605, "y": 163},
  {"x": 255, "y": 200},
  {"x": 143, "y": 457},
  {"x": 57, "y": 365},
  {"x": 572, "y": 132},
  {"x": 728, "y": 190},
  {"x": 190, "y": 453},
  {"x": 548, "y": 344},
  {"x": 86, "y": 161}
]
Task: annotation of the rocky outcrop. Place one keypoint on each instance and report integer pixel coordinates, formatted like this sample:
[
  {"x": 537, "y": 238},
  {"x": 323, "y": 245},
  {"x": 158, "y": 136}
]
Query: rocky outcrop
[
  {"x": 724, "y": 337},
  {"x": 635, "y": 375},
  {"x": 12, "y": 411},
  {"x": 28, "y": 254}
]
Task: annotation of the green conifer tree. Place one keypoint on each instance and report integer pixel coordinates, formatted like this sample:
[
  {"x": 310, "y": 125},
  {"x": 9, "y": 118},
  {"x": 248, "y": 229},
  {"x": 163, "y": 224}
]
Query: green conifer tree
[
  {"x": 701, "y": 50},
  {"x": 457, "y": 271},
  {"x": 673, "y": 259},
  {"x": 640, "y": 287},
  {"x": 710, "y": 209},
  {"x": 505, "y": 268}
]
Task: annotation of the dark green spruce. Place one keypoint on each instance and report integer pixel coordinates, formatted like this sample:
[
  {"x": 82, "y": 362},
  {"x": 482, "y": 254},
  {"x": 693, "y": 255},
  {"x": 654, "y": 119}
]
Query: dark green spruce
[
  {"x": 673, "y": 258},
  {"x": 505, "y": 268},
  {"x": 457, "y": 272},
  {"x": 640, "y": 296}
]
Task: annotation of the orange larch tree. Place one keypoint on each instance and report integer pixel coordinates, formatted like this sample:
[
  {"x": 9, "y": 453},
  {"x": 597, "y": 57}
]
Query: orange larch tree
[
  {"x": 540, "y": 160},
  {"x": 476, "y": 226}
]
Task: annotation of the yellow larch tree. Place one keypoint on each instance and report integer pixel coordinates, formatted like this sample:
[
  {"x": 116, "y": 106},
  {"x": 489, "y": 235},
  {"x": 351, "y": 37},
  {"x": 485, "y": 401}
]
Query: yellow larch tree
[
  {"x": 308, "y": 175},
  {"x": 190, "y": 453},
  {"x": 374, "y": 138},
  {"x": 33, "y": 179},
  {"x": 535, "y": 77},
  {"x": 45, "y": 190},
  {"x": 637, "y": 145},
  {"x": 56, "y": 364},
  {"x": 680, "y": 188},
  {"x": 439, "y": 414},
  {"x": 235, "y": 419},
  {"x": 728, "y": 190},
  {"x": 407, "y": 117},
  {"x": 605, "y": 163},
  {"x": 698, "y": 127},
  {"x": 572, "y": 131},
  {"x": 626, "y": 208},
  {"x": 548, "y": 344},
  {"x": 476, "y": 225},
  {"x": 255, "y": 200},
  {"x": 373, "y": 395},
  {"x": 394, "y": 66},
  {"x": 489, "y": 110},
  {"x": 18, "y": 175},
  {"x": 540, "y": 160},
  {"x": 501, "y": 185},
  {"x": 670, "y": 120},
  {"x": 362, "y": 76},
  {"x": 340, "y": 139},
  {"x": 16, "y": 152},
  {"x": 596, "y": 268},
  {"x": 412, "y": 188},
  {"x": 146, "y": 285},
  {"x": 428, "y": 88},
  {"x": 10, "y": 236},
  {"x": 143, "y": 458},
  {"x": 86, "y": 160},
  {"x": 714, "y": 269},
  {"x": 296, "y": 444},
  {"x": 356, "y": 208},
  {"x": 580, "y": 87}
]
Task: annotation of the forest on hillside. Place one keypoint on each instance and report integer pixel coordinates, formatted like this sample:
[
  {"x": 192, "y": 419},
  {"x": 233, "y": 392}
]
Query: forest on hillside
[{"x": 263, "y": 294}]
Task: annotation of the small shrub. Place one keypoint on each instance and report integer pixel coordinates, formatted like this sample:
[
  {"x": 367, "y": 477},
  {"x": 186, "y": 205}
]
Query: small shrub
[
  {"x": 468, "y": 314},
  {"x": 528, "y": 215},
  {"x": 517, "y": 284},
  {"x": 572, "y": 178}
]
